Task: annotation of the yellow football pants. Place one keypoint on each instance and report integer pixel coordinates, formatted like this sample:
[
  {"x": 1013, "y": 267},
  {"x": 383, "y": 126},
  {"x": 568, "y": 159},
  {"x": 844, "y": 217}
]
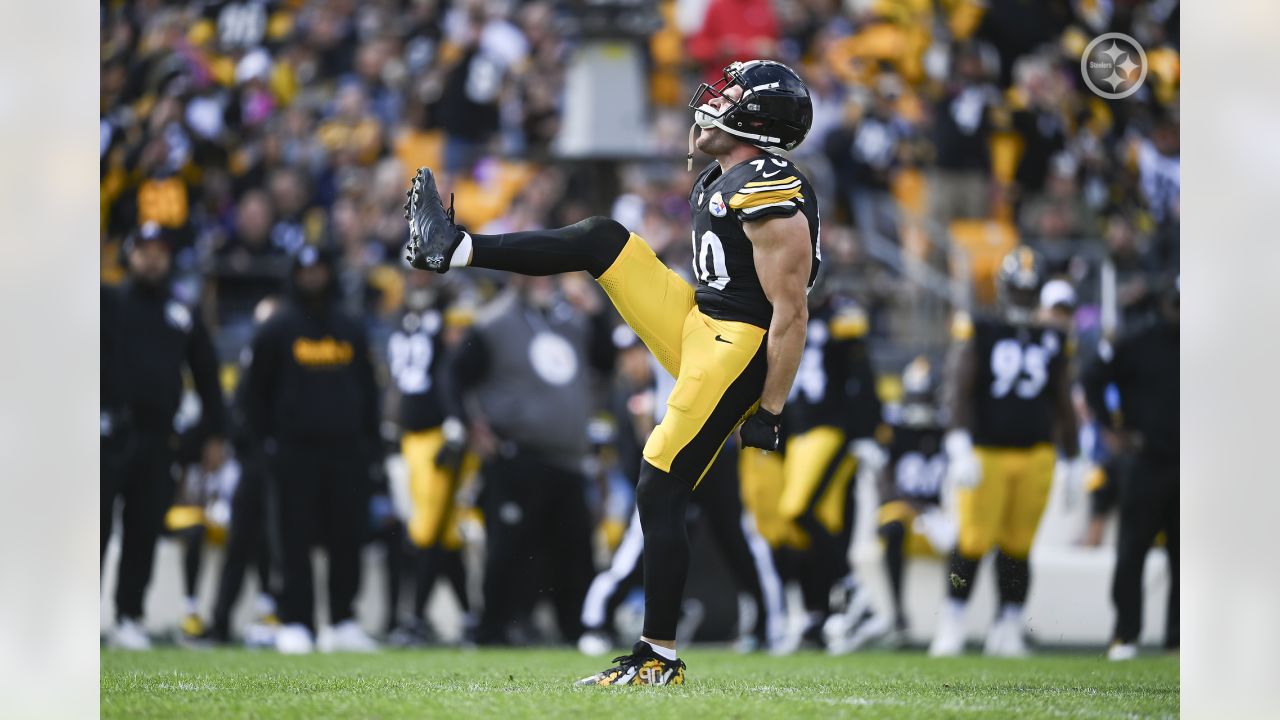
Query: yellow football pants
[
  {"x": 761, "y": 478},
  {"x": 1004, "y": 509},
  {"x": 719, "y": 365},
  {"x": 817, "y": 472},
  {"x": 432, "y": 490},
  {"x": 914, "y": 544}
]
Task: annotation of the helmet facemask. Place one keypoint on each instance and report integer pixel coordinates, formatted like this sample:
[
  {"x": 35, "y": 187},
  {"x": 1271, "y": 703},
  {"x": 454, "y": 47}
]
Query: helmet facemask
[{"x": 725, "y": 118}]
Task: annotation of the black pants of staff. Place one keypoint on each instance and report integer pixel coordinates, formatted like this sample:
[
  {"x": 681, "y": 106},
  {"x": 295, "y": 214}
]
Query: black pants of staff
[
  {"x": 246, "y": 543},
  {"x": 1148, "y": 505},
  {"x": 321, "y": 497},
  {"x": 538, "y": 544},
  {"x": 137, "y": 469}
]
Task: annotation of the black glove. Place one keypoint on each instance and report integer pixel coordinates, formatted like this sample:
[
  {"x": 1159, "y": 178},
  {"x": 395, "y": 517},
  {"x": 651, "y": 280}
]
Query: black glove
[{"x": 761, "y": 430}]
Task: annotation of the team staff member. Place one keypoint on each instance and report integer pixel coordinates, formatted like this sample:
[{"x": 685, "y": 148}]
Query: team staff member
[
  {"x": 525, "y": 369},
  {"x": 1144, "y": 369},
  {"x": 733, "y": 344},
  {"x": 415, "y": 355},
  {"x": 148, "y": 338},
  {"x": 833, "y": 406},
  {"x": 1010, "y": 390},
  {"x": 311, "y": 402}
]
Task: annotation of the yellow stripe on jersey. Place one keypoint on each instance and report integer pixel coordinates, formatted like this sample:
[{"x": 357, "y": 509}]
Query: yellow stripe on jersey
[
  {"x": 745, "y": 201},
  {"x": 769, "y": 187},
  {"x": 779, "y": 181}
]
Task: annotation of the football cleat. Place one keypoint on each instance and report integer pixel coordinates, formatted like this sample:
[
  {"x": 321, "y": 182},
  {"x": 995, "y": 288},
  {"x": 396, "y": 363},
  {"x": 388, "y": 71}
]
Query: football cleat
[
  {"x": 433, "y": 236},
  {"x": 594, "y": 643},
  {"x": 128, "y": 634},
  {"x": 192, "y": 626},
  {"x": 1005, "y": 638},
  {"x": 1119, "y": 652},
  {"x": 348, "y": 636},
  {"x": 868, "y": 627},
  {"x": 948, "y": 639},
  {"x": 261, "y": 633},
  {"x": 294, "y": 639},
  {"x": 412, "y": 632},
  {"x": 642, "y": 667}
]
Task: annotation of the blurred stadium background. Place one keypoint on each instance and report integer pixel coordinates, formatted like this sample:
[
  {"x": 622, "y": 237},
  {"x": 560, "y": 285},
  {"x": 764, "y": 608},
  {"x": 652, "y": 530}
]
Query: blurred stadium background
[{"x": 946, "y": 132}]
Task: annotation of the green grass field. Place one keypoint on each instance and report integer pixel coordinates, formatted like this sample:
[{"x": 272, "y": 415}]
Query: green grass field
[{"x": 508, "y": 684}]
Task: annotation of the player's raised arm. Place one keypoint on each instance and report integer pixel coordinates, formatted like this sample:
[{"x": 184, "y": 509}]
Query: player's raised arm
[{"x": 783, "y": 260}]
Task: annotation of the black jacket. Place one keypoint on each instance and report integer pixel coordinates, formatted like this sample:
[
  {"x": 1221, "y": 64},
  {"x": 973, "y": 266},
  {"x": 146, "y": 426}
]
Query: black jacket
[
  {"x": 148, "y": 337},
  {"x": 310, "y": 379},
  {"x": 1144, "y": 369}
]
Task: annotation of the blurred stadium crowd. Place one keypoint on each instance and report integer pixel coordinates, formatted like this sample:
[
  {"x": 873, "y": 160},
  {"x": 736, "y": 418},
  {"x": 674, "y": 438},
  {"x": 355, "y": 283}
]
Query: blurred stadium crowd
[{"x": 256, "y": 139}]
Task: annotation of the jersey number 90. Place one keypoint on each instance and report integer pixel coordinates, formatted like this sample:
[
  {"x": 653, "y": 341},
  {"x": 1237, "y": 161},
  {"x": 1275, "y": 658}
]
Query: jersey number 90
[{"x": 708, "y": 261}]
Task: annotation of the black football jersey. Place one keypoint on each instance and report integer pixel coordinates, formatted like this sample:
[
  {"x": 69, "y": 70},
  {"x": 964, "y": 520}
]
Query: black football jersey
[
  {"x": 763, "y": 187},
  {"x": 242, "y": 24},
  {"x": 414, "y": 353},
  {"x": 835, "y": 384},
  {"x": 917, "y": 463},
  {"x": 1017, "y": 367}
]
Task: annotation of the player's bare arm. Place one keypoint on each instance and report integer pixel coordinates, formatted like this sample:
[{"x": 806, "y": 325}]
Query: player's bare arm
[
  {"x": 782, "y": 258},
  {"x": 962, "y": 371}
]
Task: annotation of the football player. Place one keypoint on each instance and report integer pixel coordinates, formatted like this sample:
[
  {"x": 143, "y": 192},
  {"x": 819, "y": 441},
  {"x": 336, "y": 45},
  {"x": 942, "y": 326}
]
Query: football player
[
  {"x": 912, "y": 521},
  {"x": 1010, "y": 398},
  {"x": 733, "y": 343},
  {"x": 433, "y": 449},
  {"x": 200, "y": 514},
  {"x": 832, "y": 413}
]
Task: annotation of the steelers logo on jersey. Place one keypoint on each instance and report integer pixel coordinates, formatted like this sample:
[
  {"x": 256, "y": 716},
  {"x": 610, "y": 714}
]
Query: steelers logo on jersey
[{"x": 718, "y": 206}]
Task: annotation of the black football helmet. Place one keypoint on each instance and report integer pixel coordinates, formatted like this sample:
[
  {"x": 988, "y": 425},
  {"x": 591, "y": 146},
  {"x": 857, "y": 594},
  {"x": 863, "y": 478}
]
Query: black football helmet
[
  {"x": 774, "y": 111},
  {"x": 1018, "y": 282}
]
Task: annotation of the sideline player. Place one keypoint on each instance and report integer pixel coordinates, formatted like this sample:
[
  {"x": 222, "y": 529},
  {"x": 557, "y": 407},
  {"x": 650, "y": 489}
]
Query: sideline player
[
  {"x": 832, "y": 416},
  {"x": 912, "y": 521},
  {"x": 436, "y": 460},
  {"x": 733, "y": 344},
  {"x": 1010, "y": 392}
]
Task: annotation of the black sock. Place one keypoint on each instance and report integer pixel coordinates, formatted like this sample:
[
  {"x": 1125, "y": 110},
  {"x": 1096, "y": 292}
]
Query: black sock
[
  {"x": 191, "y": 556},
  {"x": 826, "y": 561},
  {"x": 662, "y": 501},
  {"x": 960, "y": 580},
  {"x": 425, "y": 571},
  {"x": 590, "y": 245},
  {"x": 813, "y": 590},
  {"x": 895, "y": 535},
  {"x": 1013, "y": 575},
  {"x": 453, "y": 568}
]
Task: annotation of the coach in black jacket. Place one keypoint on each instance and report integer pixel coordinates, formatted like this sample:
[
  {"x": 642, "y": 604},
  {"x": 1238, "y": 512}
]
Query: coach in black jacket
[
  {"x": 148, "y": 338},
  {"x": 1143, "y": 367},
  {"x": 312, "y": 403}
]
